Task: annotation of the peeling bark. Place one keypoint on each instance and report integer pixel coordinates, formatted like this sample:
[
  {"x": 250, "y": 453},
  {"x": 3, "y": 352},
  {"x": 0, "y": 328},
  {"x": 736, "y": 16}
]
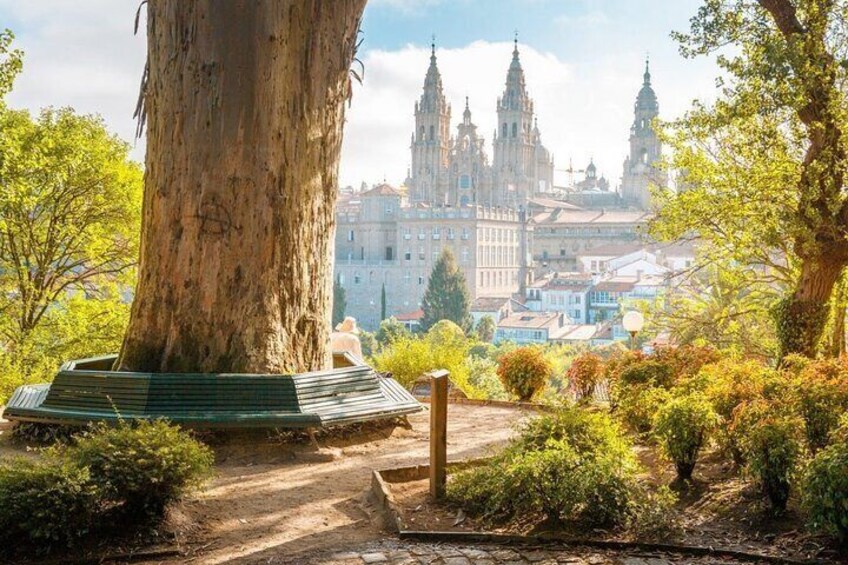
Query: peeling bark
[{"x": 245, "y": 107}]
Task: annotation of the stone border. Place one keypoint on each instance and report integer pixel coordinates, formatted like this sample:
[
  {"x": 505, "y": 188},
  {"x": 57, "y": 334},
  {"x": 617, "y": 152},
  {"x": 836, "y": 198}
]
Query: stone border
[
  {"x": 380, "y": 487},
  {"x": 496, "y": 403}
]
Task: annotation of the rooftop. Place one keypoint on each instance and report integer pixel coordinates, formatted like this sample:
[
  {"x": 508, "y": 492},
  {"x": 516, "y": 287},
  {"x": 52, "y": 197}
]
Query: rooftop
[{"x": 530, "y": 320}]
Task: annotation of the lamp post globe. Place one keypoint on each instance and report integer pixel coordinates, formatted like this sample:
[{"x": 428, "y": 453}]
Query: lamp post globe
[{"x": 633, "y": 322}]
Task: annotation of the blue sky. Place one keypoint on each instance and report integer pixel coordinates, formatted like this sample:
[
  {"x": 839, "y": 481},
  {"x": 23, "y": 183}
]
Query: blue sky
[{"x": 583, "y": 60}]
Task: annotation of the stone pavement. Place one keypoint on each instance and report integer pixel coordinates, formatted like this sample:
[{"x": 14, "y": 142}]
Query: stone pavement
[{"x": 395, "y": 552}]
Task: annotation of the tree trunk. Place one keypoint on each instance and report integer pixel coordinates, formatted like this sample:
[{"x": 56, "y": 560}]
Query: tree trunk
[
  {"x": 245, "y": 107},
  {"x": 802, "y": 317},
  {"x": 839, "y": 304}
]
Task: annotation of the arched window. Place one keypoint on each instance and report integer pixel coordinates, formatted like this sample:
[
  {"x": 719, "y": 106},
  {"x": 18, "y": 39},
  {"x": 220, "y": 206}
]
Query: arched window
[
  {"x": 503, "y": 130},
  {"x": 514, "y": 129},
  {"x": 421, "y": 135},
  {"x": 644, "y": 156},
  {"x": 432, "y": 133}
]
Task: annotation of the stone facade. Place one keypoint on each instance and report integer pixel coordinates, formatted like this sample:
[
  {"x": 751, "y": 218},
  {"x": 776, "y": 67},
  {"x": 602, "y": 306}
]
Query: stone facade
[{"x": 381, "y": 240}]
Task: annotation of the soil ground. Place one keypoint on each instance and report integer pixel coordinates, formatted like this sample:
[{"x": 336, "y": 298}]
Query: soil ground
[{"x": 282, "y": 498}]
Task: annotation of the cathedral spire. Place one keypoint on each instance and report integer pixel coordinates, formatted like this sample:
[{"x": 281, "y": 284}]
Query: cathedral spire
[
  {"x": 466, "y": 115},
  {"x": 433, "y": 97},
  {"x": 647, "y": 75},
  {"x": 515, "y": 95}
]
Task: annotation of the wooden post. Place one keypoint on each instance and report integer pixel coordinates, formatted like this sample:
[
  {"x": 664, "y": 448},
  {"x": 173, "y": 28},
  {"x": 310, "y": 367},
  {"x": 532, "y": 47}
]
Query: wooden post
[{"x": 438, "y": 432}]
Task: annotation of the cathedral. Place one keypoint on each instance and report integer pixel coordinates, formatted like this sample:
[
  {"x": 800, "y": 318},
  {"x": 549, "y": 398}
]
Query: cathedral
[
  {"x": 455, "y": 170},
  {"x": 640, "y": 167}
]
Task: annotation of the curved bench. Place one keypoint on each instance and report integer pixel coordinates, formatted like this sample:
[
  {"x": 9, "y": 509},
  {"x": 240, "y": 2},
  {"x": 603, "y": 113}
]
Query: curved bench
[{"x": 87, "y": 391}]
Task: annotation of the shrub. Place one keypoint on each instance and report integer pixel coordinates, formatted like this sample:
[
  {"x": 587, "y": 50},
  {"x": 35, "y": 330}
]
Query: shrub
[
  {"x": 483, "y": 376},
  {"x": 524, "y": 372},
  {"x": 649, "y": 372},
  {"x": 773, "y": 449},
  {"x": 651, "y": 511},
  {"x": 443, "y": 347},
  {"x": 586, "y": 430},
  {"x": 825, "y": 486},
  {"x": 638, "y": 405},
  {"x": 683, "y": 425},
  {"x": 571, "y": 465},
  {"x": 144, "y": 466},
  {"x": 822, "y": 396},
  {"x": 686, "y": 360},
  {"x": 46, "y": 503},
  {"x": 730, "y": 383},
  {"x": 584, "y": 374}
]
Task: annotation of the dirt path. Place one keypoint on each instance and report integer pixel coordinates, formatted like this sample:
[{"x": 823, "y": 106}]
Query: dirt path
[{"x": 278, "y": 502}]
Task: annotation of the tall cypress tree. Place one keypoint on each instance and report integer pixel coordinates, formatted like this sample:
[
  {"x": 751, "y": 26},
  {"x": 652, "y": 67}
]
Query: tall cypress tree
[
  {"x": 339, "y": 302},
  {"x": 383, "y": 303},
  {"x": 447, "y": 296}
]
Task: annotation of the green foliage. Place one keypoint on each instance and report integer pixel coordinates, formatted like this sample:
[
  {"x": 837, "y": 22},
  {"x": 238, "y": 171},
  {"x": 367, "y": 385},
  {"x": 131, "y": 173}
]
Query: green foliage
[
  {"x": 524, "y": 372},
  {"x": 446, "y": 296},
  {"x": 109, "y": 478},
  {"x": 825, "y": 487},
  {"x": 146, "y": 465},
  {"x": 390, "y": 330},
  {"x": 638, "y": 405},
  {"x": 766, "y": 162},
  {"x": 45, "y": 504},
  {"x": 582, "y": 471},
  {"x": 339, "y": 302},
  {"x": 443, "y": 347},
  {"x": 483, "y": 377},
  {"x": 11, "y": 63},
  {"x": 584, "y": 374},
  {"x": 647, "y": 373},
  {"x": 773, "y": 449},
  {"x": 683, "y": 425},
  {"x": 485, "y": 329},
  {"x": 70, "y": 213},
  {"x": 368, "y": 343},
  {"x": 822, "y": 398}
]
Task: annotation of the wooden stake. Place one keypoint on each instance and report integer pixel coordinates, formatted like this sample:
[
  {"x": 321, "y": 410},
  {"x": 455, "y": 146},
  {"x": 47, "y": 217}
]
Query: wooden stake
[{"x": 438, "y": 432}]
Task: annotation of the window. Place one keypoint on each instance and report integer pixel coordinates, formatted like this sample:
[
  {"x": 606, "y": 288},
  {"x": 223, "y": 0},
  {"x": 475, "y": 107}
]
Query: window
[
  {"x": 356, "y": 278},
  {"x": 421, "y": 134},
  {"x": 407, "y": 276},
  {"x": 407, "y": 255},
  {"x": 420, "y": 279},
  {"x": 390, "y": 254},
  {"x": 594, "y": 266},
  {"x": 503, "y": 130},
  {"x": 465, "y": 255},
  {"x": 421, "y": 253},
  {"x": 450, "y": 233},
  {"x": 562, "y": 252},
  {"x": 422, "y": 233},
  {"x": 350, "y": 235},
  {"x": 432, "y": 133},
  {"x": 514, "y": 129},
  {"x": 341, "y": 279},
  {"x": 437, "y": 233},
  {"x": 406, "y": 234},
  {"x": 465, "y": 181},
  {"x": 465, "y": 234}
]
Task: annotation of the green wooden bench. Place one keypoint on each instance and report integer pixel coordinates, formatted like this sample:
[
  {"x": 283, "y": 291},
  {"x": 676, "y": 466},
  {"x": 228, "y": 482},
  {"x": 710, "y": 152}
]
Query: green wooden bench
[{"x": 88, "y": 391}]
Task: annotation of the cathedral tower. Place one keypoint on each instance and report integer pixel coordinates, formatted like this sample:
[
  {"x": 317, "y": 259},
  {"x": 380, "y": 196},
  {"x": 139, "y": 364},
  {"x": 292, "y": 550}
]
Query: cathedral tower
[
  {"x": 469, "y": 177},
  {"x": 640, "y": 167},
  {"x": 430, "y": 140},
  {"x": 520, "y": 161}
]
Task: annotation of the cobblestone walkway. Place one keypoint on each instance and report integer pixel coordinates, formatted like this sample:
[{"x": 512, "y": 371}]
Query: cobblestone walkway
[{"x": 394, "y": 552}]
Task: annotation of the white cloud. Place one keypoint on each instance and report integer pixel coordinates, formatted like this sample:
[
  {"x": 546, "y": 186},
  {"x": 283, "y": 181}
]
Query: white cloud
[{"x": 80, "y": 54}]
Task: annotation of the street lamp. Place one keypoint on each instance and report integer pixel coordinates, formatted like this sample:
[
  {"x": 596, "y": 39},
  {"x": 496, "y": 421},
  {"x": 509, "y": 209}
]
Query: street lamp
[{"x": 633, "y": 322}]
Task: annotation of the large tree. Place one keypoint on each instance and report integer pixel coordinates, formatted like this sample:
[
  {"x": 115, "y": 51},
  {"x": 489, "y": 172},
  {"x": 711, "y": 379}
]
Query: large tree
[
  {"x": 766, "y": 163},
  {"x": 446, "y": 296},
  {"x": 244, "y": 103}
]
